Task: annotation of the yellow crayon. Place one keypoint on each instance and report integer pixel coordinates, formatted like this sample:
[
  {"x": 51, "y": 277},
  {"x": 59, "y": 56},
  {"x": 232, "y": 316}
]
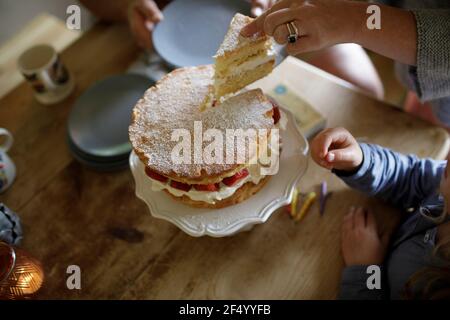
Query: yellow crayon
[
  {"x": 309, "y": 200},
  {"x": 294, "y": 202}
]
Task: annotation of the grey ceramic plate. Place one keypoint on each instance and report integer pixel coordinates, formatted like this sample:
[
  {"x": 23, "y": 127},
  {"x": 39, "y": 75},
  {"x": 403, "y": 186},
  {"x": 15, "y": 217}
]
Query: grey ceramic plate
[
  {"x": 98, "y": 123},
  {"x": 192, "y": 30},
  {"x": 94, "y": 159},
  {"x": 112, "y": 165}
]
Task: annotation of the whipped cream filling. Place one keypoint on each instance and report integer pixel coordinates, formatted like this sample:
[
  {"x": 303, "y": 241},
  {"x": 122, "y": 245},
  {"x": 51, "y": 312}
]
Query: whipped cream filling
[
  {"x": 248, "y": 65},
  {"x": 282, "y": 123},
  {"x": 224, "y": 191},
  {"x": 211, "y": 196}
]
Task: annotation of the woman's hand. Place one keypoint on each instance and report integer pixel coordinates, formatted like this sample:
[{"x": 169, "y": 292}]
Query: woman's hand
[
  {"x": 336, "y": 149},
  {"x": 143, "y": 15},
  {"x": 259, "y": 6},
  {"x": 361, "y": 244},
  {"x": 321, "y": 23}
]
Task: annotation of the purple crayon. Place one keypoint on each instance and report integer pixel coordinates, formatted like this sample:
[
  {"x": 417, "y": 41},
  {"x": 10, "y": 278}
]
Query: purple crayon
[{"x": 323, "y": 197}]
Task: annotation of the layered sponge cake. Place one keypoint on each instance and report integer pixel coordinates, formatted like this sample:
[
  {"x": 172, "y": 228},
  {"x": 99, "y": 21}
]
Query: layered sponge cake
[
  {"x": 174, "y": 103},
  {"x": 241, "y": 61}
]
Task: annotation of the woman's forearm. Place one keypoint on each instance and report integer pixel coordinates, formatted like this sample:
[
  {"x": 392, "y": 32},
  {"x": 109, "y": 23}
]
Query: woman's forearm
[
  {"x": 116, "y": 10},
  {"x": 397, "y": 38}
]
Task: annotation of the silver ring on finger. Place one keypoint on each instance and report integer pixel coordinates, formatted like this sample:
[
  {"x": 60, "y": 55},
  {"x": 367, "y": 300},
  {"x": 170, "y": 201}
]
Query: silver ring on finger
[{"x": 293, "y": 32}]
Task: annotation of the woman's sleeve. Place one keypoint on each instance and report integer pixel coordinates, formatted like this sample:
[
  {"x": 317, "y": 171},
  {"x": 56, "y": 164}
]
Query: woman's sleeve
[
  {"x": 402, "y": 180},
  {"x": 433, "y": 53}
]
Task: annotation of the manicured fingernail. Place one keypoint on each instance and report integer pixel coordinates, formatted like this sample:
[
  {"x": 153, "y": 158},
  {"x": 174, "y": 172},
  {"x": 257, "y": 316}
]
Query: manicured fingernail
[
  {"x": 330, "y": 157},
  {"x": 257, "y": 11}
]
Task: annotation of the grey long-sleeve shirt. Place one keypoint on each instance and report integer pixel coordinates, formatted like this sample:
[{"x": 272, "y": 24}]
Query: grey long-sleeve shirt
[
  {"x": 430, "y": 79},
  {"x": 409, "y": 183}
]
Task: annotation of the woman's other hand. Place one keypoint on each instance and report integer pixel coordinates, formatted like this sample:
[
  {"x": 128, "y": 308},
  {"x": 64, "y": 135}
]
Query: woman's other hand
[{"x": 143, "y": 15}]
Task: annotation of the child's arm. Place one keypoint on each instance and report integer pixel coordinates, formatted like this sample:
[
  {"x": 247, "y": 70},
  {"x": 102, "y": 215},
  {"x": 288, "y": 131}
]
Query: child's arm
[
  {"x": 363, "y": 251},
  {"x": 354, "y": 284},
  {"x": 399, "y": 179}
]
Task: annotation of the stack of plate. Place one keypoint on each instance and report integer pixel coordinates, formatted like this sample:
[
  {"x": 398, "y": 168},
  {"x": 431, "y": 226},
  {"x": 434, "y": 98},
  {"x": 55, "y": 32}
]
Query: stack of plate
[{"x": 98, "y": 124}]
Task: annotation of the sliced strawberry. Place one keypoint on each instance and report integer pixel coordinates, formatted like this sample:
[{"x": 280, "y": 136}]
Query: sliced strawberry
[
  {"x": 288, "y": 209},
  {"x": 276, "y": 115},
  {"x": 152, "y": 174},
  {"x": 276, "y": 110},
  {"x": 233, "y": 179},
  {"x": 207, "y": 187},
  {"x": 180, "y": 185}
]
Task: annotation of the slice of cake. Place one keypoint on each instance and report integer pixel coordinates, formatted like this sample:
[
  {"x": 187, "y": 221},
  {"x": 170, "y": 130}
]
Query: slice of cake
[{"x": 241, "y": 61}]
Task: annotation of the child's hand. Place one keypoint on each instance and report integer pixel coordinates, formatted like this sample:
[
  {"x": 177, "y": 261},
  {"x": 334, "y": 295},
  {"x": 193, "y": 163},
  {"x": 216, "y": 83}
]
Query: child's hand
[
  {"x": 336, "y": 149},
  {"x": 361, "y": 244}
]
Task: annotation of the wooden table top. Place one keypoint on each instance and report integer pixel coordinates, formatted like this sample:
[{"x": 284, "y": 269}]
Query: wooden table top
[{"x": 75, "y": 216}]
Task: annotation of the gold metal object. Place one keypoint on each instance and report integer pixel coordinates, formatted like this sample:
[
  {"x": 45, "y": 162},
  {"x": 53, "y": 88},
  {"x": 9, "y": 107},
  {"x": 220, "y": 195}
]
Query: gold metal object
[{"x": 20, "y": 274}]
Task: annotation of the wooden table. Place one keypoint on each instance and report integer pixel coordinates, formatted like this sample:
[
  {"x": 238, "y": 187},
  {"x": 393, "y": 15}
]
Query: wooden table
[{"x": 74, "y": 216}]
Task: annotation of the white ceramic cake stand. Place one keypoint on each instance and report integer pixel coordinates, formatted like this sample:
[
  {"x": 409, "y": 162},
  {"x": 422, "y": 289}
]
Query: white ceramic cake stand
[{"x": 230, "y": 220}]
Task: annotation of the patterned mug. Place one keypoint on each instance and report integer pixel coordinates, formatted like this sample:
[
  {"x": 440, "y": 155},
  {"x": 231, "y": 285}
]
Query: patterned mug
[
  {"x": 42, "y": 67},
  {"x": 7, "y": 167}
]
